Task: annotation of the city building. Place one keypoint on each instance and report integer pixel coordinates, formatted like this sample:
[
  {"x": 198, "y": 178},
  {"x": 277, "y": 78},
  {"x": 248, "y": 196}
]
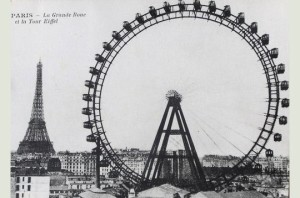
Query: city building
[
  {"x": 277, "y": 162},
  {"x": 80, "y": 163},
  {"x": 80, "y": 182},
  {"x": 74, "y": 173},
  {"x": 32, "y": 186},
  {"x": 83, "y": 163},
  {"x": 134, "y": 158},
  {"x": 104, "y": 171},
  {"x": 281, "y": 163},
  {"x": 58, "y": 191},
  {"x": 135, "y": 163},
  {"x": 219, "y": 161}
]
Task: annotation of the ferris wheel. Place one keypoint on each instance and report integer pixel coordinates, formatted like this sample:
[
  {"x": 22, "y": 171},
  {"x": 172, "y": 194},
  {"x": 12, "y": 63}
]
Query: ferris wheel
[{"x": 182, "y": 10}]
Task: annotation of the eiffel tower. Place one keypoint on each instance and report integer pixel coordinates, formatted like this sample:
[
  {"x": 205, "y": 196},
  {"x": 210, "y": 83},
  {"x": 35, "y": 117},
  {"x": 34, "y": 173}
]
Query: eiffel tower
[
  {"x": 182, "y": 169},
  {"x": 36, "y": 139}
]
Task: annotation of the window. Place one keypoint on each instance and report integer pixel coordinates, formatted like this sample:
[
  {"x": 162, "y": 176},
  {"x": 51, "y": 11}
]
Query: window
[
  {"x": 22, "y": 186},
  {"x": 17, "y": 187},
  {"x": 23, "y": 179},
  {"x": 18, "y": 179},
  {"x": 28, "y": 187},
  {"x": 29, "y": 179},
  {"x": 17, "y": 195}
]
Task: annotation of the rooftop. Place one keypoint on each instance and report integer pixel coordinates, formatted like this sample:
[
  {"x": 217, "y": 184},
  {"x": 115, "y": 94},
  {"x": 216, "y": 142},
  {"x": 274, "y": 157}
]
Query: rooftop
[
  {"x": 165, "y": 190},
  {"x": 243, "y": 194},
  {"x": 208, "y": 194},
  {"x": 65, "y": 187},
  {"x": 95, "y": 193}
]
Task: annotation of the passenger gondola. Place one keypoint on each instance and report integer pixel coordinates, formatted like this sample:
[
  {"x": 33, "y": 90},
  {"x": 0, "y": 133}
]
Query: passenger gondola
[
  {"x": 116, "y": 35},
  {"x": 87, "y": 97},
  {"x": 90, "y": 138},
  {"x": 167, "y": 7},
  {"x": 283, "y": 120},
  {"x": 89, "y": 84},
  {"x": 87, "y": 111},
  {"x": 153, "y": 12},
  {"x": 181, "y": 5},
  {"x": 253, "y": 28},
  {"x": 212, "y": 7},
  {"x": 240, "y": 19},
  {"x": 269, "y": 153},
  {"x": 94, "y": 71},
  {"x": 127, "y": 26},
  {"x": 277, "y": 137},
  {"x": 285, "y": 103},
  {"x": 106, "y": 46},
  {"x": 227, "y": 11},
  {"x": 99, "y": 58},
  {"x": 281, "y": 68},
  {"x": 284, "y": 85},
  {"x": 265, "y": 39},
  {"x": 197, "y": 5},
  {"x": 87, "y": 125},
  {"x": 274, "y": 52}
]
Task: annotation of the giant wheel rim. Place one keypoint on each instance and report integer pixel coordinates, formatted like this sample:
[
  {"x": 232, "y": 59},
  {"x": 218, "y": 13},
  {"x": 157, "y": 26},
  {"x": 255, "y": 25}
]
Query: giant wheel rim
[{"x": 242, "y": 29}]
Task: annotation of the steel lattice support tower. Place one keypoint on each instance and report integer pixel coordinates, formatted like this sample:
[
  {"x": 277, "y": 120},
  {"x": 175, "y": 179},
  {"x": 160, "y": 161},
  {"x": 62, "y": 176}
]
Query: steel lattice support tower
[
  {"x": 153, "y": 172},
  {"x": 36, "y": 139}
]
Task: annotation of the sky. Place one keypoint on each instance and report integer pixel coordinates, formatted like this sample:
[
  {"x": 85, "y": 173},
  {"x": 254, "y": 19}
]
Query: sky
[{"x": 219, "y": 76}]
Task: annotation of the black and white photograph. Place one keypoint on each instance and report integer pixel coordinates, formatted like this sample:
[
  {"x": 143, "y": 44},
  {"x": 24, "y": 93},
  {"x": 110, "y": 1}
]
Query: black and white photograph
[{"x": 149, "y": 98}]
